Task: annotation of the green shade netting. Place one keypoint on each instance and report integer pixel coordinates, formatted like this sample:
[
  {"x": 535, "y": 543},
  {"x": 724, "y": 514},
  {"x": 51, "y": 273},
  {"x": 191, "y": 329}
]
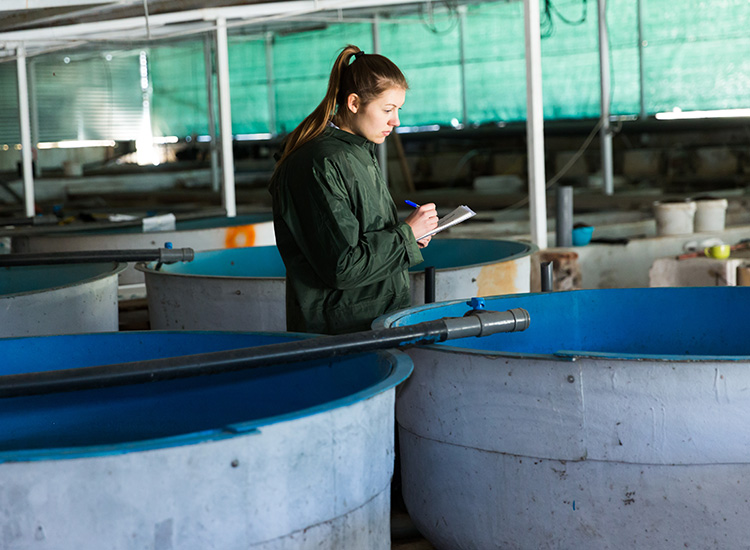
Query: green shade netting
[{"x": 693, "y": 56}]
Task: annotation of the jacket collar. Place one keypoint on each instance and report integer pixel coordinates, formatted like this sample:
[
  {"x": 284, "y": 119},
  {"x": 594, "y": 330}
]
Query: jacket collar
[{"x": 347, "y": 137}]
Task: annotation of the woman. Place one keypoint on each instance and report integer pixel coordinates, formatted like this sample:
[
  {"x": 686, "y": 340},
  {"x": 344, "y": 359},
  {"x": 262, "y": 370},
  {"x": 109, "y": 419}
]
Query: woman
[{"x": 346, "y": 254}]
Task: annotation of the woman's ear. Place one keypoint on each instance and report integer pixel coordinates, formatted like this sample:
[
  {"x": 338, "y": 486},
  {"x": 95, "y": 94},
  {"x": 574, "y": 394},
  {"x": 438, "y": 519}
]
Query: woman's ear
[{"x": 352, "y": 103}]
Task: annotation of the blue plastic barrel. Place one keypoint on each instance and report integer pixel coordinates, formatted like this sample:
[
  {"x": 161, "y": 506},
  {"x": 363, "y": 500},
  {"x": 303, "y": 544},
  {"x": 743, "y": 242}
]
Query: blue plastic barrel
[{"x": 291, "y": 454}]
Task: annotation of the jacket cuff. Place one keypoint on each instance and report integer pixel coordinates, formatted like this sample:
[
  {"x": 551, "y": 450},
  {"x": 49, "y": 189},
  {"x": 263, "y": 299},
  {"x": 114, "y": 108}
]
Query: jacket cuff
[{"x": 412, "y": 248}]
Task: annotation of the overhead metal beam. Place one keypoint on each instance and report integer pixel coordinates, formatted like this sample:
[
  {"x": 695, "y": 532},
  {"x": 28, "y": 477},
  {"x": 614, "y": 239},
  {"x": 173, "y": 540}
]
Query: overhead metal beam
[
  {"x": 248, "y": 13},
  {"x": 20, "y": 5}
]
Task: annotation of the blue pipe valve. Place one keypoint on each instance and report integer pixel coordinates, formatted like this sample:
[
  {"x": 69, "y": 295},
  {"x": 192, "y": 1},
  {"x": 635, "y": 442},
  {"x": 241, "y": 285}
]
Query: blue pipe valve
[{"x": 477, "y": 304}]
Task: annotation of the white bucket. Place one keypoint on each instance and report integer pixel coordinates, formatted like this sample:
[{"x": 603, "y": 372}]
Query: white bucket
[
  {"x": 674, "y": 218},
  {"x": 710, "y": 214}
]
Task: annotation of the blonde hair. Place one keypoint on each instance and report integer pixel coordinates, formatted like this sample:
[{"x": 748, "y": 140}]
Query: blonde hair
[{"x": 368, "y": 76}]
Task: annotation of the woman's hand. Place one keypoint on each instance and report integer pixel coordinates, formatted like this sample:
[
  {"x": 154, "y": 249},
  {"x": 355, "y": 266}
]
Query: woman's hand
[
  {"x": 423, "y": 220},
  {"x": 424, "y": 242}
]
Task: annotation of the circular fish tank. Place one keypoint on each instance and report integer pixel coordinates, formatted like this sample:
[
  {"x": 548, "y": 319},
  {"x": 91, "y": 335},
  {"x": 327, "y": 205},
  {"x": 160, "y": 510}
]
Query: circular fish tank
[
  {"x": 245, "y": 288},
  {"x": 296, "y": 455},
  {"x": 59, "y": 299},
  {"x": 198, "y": 234},
  {"x": 613, "y": 421}
]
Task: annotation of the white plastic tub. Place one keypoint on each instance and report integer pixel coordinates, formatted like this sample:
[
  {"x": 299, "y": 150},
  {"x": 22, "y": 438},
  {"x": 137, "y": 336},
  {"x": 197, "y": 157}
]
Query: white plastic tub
[
  {"x": 710, "y": 215},
  {"x": 674, "y": 218}
]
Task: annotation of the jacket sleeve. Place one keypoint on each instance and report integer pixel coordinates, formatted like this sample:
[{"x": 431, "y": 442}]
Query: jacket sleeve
[{"x": 320, "y": 216}]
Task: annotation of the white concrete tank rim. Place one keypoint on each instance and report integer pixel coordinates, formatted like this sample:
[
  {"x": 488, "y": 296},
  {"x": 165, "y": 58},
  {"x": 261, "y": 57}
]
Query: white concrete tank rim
[
  {"x": 116, "y": 269},
  {"x": 401, "y": 369}
]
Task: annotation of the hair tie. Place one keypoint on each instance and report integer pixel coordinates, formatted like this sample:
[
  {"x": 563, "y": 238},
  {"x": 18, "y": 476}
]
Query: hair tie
[{"x": 359, "y": 54}]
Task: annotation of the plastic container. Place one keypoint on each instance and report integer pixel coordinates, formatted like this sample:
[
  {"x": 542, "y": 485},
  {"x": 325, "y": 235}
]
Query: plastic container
[
  {"x": 582, "y": 235},
  {"x": 674, "y": 217},
  {"x": 710, "y": 215},
  {"x": 288, "y": 456},
  {"x": 611, "y": 422}
]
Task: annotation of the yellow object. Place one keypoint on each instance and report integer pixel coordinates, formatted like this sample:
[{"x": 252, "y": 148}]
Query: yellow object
[{"x": 720, "y": 251}]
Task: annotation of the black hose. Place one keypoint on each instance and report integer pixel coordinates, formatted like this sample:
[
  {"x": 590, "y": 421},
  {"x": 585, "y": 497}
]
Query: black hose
[
  {"x": 153, "y": 370},
  {"x": 162, "y": 255},
  {"x": 429, "y": 285}
]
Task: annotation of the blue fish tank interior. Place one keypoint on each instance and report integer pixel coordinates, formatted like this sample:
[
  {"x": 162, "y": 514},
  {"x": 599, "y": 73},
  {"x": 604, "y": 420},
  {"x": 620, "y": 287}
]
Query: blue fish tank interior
[
  {"x": 670, "y": 323},
  {"x": 265, "y": 261},
  {"x": 122, "y": 418},
  {"x": 18, "y": 279}
]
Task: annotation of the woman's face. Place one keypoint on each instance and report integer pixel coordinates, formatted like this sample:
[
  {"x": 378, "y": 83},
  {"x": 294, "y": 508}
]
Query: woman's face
[{"x": 376, "y": 120}]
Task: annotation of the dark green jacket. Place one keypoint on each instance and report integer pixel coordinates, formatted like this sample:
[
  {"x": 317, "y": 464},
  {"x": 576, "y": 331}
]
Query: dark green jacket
[{"x": 346, "y": 254}]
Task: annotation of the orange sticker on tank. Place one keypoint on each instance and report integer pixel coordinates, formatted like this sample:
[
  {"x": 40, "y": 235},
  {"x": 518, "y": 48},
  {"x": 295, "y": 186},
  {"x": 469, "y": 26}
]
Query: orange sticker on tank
[{"x": 240, "y": 236}]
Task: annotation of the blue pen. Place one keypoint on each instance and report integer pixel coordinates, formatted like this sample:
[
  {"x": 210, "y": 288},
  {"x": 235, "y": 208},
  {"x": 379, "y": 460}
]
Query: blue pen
[{"x": 412, "y": 204}]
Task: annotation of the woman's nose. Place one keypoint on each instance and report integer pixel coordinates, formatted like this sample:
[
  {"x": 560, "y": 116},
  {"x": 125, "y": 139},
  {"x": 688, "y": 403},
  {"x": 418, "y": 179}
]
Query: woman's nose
[{"x": 394, "y": 120}]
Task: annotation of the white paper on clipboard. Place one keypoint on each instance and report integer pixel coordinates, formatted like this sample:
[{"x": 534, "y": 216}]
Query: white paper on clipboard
[{"x": 460, "y": 214}]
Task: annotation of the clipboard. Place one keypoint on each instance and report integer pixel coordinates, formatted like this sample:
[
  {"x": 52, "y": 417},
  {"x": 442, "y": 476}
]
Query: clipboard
[{"x": 460, "y": 214}]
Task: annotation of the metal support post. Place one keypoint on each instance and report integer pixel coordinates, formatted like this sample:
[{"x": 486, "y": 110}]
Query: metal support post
[
  {"x": 535, "y": 125},
  {"x": 383, "y": 148},
  {"x": 605, "y": 133},
  {"x": 24, "y": 119},
  {"x": 225, "y": 118},
  {"x": 211, "y": 99}
]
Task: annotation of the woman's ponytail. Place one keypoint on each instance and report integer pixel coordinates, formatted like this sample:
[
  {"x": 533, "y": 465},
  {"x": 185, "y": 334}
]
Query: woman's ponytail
[{"x": 315, "y": 122}]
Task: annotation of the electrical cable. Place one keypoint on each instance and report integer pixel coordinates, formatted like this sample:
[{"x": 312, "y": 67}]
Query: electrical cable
[
  {"x": 452, "y": 11},
  {"x": 560, "y": 173},
  {"x": 148, "y": 28},
  {"x": 547, "y": 24}
]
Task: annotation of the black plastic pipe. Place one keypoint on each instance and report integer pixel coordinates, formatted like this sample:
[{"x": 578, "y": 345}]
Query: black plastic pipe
[
  {"x": 548, "y": 284},
  {"x": 161, "y": 255},
  {"x": 429, "y": 284},
  {"x": 475, "y": 323}
]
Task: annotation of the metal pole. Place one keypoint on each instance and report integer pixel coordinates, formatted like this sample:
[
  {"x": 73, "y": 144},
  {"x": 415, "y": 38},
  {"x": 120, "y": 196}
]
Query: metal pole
[
  {"x": 605, "y": 134},
  {"x": 535, "y": 125},
  {"x": 462, "y": 60},
  {"x": 482, "y": 323},
  {"x": 24, "y": 119},
  {"x": 564, "y": 216},
  {"x": 225, "y": 118},
  {"x": 34, "y": 112},
  {"x": 383, "y": 148},
  {"x": 271, "y": 85},
  {"x": 213, "y": 145},
  {"x": 641, "y": 73}
]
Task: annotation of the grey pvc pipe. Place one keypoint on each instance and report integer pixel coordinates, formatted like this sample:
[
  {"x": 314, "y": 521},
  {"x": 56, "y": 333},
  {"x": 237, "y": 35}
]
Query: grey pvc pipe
[
  {"x": 474, "y": 323},
  {"x": 161, "y": 255},
  {"x": 564, "y": 216}
]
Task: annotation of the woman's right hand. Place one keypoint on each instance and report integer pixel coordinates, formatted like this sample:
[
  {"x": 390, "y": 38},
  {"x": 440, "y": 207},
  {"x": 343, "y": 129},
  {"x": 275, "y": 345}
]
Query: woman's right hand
[{"x": 423, "y": 220}]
